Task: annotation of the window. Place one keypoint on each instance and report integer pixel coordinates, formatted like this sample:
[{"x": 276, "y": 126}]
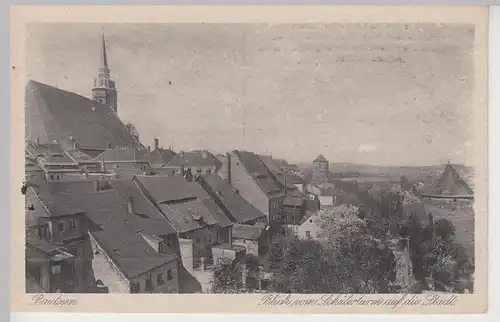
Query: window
[
  {"x": 197, "y": 240},
  {"x": 149, "y": 285},
  {"x": 72, "y": 224},
  {"x": 169, "y": 275},
  {"x": 60, "y": 226},
  {"x": 310, "y": 220},
  {"x": 209, "y": 238},
  {"x": 134, "y": 287},
  {"x": 51, "y": 177},
  {"x": 56, "y": 269},
  {"x": 308, "y": 234},
  {"x": 43, "y": 232},
  {"x": 160, "y": 279}
]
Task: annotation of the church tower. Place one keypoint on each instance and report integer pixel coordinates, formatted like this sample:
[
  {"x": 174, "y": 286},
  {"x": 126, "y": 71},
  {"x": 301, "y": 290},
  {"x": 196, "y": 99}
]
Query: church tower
[{"x": 104, "y": 91}]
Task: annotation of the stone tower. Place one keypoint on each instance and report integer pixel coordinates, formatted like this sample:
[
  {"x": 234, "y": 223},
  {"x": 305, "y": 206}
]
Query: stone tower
[
  {"x": 320, "y": 170},
  {"x": 104, "y": 91}
]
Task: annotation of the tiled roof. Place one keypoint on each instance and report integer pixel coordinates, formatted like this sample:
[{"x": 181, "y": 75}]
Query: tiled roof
[
  {"x": 160, "y": 156},
  {"x": 49, "y": 153},
  {"x": 79, "y": 156},
  {"x": 190, "y": 215},
  {"x": 320, "y": 158},
  {"x": 117, "y": 232},
  {"x": 246, "y": 232},
  {"x": 121, "y": 154},
  {"x": 68, "y": 187},
  {"x": 219, "y": 216},
  {"x": 31, "y": 165},
  {"x": 293, "y": 201},
  {"x": 195, "y": 159},
  {"x": 149, "y": 218},
  {"x": 276, "y": 171},
  {"x": 258, "y": 171},
  {"x": 55, "y": 114},
  {"x": 310, "y": 215},
  {"x": 57, "y": 205},
  {"x": 237, "y": 207},
  {"x": 449, "y": 184},
  {"x": 180, "y": 200},
  {"x": 165, "y": 189}
]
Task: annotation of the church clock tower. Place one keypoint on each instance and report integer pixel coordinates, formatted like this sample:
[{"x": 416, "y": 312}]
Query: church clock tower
[{"x": 104, "y": 91}]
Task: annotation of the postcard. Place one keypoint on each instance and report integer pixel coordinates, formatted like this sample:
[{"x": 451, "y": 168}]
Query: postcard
[{"x": 249, "y": 159}]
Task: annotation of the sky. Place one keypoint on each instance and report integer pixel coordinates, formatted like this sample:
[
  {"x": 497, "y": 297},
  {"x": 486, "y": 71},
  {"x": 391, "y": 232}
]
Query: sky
[{"x": 382, "y": 94}]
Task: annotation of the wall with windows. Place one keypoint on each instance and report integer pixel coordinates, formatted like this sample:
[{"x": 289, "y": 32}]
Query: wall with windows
[
  {"x": 68, "y": 227},
  {"x": 204, "y": 239},
  {"x": 310, "y": 228},
  {"x": 247, "y": 187},
  {"x": 163, "y": 279}
]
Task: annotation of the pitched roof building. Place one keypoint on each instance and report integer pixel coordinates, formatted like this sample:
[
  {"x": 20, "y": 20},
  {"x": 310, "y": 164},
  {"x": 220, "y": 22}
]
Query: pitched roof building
[
  {"x": 92, "y": 125},
  {"x": 234, "y": 205},
  {"x": 450, "y": 185}
]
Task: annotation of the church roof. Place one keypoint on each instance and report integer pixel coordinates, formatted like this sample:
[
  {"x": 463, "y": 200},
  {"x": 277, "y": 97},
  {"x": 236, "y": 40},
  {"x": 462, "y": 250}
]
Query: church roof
[
  {"x": 320, "y": 158},
  {"x": 53, "y": 114},
  {"x": 450, "y": 184}
]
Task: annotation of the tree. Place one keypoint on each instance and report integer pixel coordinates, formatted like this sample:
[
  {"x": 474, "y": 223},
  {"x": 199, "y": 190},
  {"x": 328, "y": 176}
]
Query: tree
[
  {"x": 226, "y": 277},
  {"x": 436, "y": 253},
  {"x": 275, "y": 253},
  {"x": 360, "y": 262},
  {"x": 300, "y": 267}
]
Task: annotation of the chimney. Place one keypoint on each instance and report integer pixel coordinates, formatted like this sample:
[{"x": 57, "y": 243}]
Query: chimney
[
  {"x": 75, "y": 145},
  {"x": 149, "y": 148},
  {"x": 155, "y": 144},
  {"x": 228, "y": 167},
  {"x": 204, "y": 154},
  {"x": 103, "y": 166},
  {"x": 130, "y": 206},
  {"x": 37, "y": 141}
]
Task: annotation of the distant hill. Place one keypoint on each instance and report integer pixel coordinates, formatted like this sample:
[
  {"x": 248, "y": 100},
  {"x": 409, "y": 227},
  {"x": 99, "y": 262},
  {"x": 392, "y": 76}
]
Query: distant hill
[{"x": 427, "y": 174}]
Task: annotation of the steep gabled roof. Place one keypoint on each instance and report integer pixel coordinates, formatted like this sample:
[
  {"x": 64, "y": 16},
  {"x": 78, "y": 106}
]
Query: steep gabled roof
[
  {"x": 118, "y": 232},
  {"x": 276, "y": 172},
  {"x": 149, "y": 218},
  {"x": 237, "y": 207},
  {"x": 51, "y": 153},
  {"x": 320, "y": 158},
  {"x": 258, "y": 171},
  {"x": 450, "y": 184},
  {"x": 68, "y": 187},
  {"x": 185, "y": 204},
  {"x": 195, "y": 158},
  {"x": 55, "y": 114},
  {"x": 160, "y": 156},
  {"x": 170, "y": 189}
]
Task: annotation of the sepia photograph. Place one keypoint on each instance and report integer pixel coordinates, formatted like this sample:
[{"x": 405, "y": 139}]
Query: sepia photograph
[{"x": 273, "y": 159}]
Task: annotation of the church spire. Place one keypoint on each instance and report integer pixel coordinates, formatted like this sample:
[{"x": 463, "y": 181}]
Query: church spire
[
  {"x": 104, "y": 57},
  {"x": 104, "y": 91}
]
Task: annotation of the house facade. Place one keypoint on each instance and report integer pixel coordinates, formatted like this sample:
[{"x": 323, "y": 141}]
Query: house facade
[
  {"x": 54, "y": 224},
  {"x": 249, "y": 176}
]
